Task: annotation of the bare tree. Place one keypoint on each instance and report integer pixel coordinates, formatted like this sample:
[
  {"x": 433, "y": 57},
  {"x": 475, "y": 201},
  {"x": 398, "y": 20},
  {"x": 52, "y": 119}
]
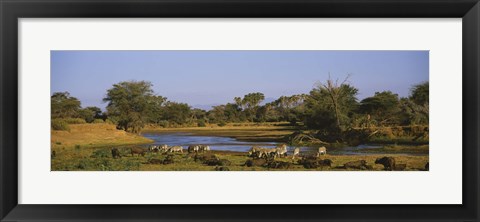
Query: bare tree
[{"x": 335, "y": 92}]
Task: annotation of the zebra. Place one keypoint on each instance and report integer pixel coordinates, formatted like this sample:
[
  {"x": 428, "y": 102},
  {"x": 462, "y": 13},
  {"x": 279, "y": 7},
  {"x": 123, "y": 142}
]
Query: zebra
[
  {"x": 296, "y": 152},
  {"x": 163, "y": 148},
  {"x": 281, "y": 150},
  {"x": 176, "y": 149},
  {"x": 193, "y": 148},
  {"x": 322, "y": 151}
]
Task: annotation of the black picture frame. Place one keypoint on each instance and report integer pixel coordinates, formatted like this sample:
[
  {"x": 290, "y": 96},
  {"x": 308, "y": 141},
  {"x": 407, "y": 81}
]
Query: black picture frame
[{"x": 12, "y": 10}]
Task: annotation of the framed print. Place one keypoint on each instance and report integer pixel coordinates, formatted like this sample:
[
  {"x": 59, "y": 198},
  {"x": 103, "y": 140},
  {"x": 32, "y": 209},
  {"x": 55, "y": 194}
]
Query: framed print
[{"x": 124, "y": 110}]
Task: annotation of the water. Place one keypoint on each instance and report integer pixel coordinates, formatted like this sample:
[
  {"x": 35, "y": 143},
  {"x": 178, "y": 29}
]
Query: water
[
  {"x": 231, "y": 144},
  {"x": 215, "y": 142}
]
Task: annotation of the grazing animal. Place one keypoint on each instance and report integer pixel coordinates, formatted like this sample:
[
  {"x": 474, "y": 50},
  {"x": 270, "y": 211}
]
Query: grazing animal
[
  {"x": 359, "y": 164},
  {"x": 222, "y": 168},
  {"x": 137, "y": 150},
  {"x": 204, "y": 157},
  {"x": 116, "y": 153},
  {"x": 174, "y": 149},
  {"x": 400, "y": 167},
  {"x": 278, "y": 165},
  {"x": 322, "y": 151},
  {"x": 325, "y": 162},
  {"x": 153, "y": 148},
  {"x": 309, "y": 162},
  {"x": 296, "y": 152},
  {"x": 281, "y": 150},
  {"x": 193, "y": 148},
  {"x": 260, "y": 152},
  {"x": 218, "y": 162},
  {"x": 255, "y": 162},
  {"x": 267, "y": 152},
  {"x": 387, "y": 162},
  {"x": 252, "y": 152},
  {"x": 163, "y": 148},
  {"x": 204, "y": 148},
  {"x": 427, "y": 167}
]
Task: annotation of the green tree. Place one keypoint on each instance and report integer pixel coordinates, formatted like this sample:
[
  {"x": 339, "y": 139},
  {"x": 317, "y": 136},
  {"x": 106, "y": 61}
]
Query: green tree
[
  {"x": 290, "y": 108},
  {"x": 419, "y": 94},
  {"x": 130, "y": 103},
  {"x": 338, "y": 94},
  {"x": 178, "y": 113},
  {"x": 251, "y": 102},
  {"x": 217, "y": 114},
  {"x": 330, "y": 106},
  {"x": 233, "y": 113},
  {"x": 383, "y": 107},
  {"x": 90, "y": 113},
  {"x": 64, "y": 106},
  {"x": 155, "y": 112}
]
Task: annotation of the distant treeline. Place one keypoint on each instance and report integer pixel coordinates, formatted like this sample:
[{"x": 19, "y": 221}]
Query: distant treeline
[{"x": 330, "y": 106}]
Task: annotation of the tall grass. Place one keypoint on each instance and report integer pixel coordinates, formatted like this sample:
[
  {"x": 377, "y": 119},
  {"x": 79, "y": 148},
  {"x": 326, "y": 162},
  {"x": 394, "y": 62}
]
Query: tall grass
[
  {"x": 60, "y": 124},
  {"x": 74, "y": 120}
]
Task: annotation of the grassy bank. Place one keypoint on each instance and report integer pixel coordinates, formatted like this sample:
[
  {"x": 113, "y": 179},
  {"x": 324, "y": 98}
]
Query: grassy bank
[
  {"x": 393, "y": 149},
  {"x": 93, "y": 135},
  {"x": 101, "y": 160}
]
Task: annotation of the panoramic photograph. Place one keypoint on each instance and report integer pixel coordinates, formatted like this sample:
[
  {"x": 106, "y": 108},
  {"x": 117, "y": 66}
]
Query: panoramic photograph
[{"x": 239, "y": 110}]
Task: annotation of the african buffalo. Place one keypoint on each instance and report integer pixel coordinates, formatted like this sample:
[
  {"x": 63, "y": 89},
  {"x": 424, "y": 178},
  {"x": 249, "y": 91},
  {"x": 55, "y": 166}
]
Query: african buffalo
[
  {"x": 116, "y": 153},
  {"x": 137, "y": 150},
  {"x": 387, "y": 162},
  {"x": 359, "y": 164},
  {"x": 255, "y": 162},
  {"x": 278, "y": 165}
]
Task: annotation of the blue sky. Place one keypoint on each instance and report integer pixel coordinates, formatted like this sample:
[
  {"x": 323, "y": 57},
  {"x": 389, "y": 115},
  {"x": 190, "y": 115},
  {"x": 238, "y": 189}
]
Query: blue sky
[{"x": 205, "y": 78}]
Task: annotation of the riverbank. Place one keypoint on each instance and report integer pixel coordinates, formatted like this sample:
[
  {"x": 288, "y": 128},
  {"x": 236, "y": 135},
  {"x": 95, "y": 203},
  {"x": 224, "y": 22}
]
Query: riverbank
[
  {"x": 87, "y": 147},
  {"x": 93, "y": 135},
  {"x": 272, "y": 132},
  {"x": 101, "y": 160}
]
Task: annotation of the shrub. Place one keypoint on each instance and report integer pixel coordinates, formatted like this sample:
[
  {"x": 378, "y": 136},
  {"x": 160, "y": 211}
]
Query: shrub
[
  {"x": 75, "y": 120},
  {"x": 201, "y": 123},
  {"x": 59, "y": 124},
  {"x": 111, "y": 121},
  {"x": 82, "y": 165},
  {"x": 102, "y": 153},
  {"x": 222, "y": 123},
  {"x": 164, "y": 123},
  {"x": 98, "y": 121}
]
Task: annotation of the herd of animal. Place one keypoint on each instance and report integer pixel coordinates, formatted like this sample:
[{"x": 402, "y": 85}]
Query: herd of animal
[
  {"x": 264, "y": 157},
  {"x": 160, "y": 149},
  {"x": 280, "y": 151}
]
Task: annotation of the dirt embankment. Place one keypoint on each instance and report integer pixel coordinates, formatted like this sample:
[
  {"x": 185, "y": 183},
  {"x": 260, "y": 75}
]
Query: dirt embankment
[{"x": 94, "y": 135}]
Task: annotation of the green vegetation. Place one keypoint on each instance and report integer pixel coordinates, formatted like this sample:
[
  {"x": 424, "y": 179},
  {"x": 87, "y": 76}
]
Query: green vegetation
[
  {"x": 60, "y": 124},
  {"x": 100, "y": 159}
]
